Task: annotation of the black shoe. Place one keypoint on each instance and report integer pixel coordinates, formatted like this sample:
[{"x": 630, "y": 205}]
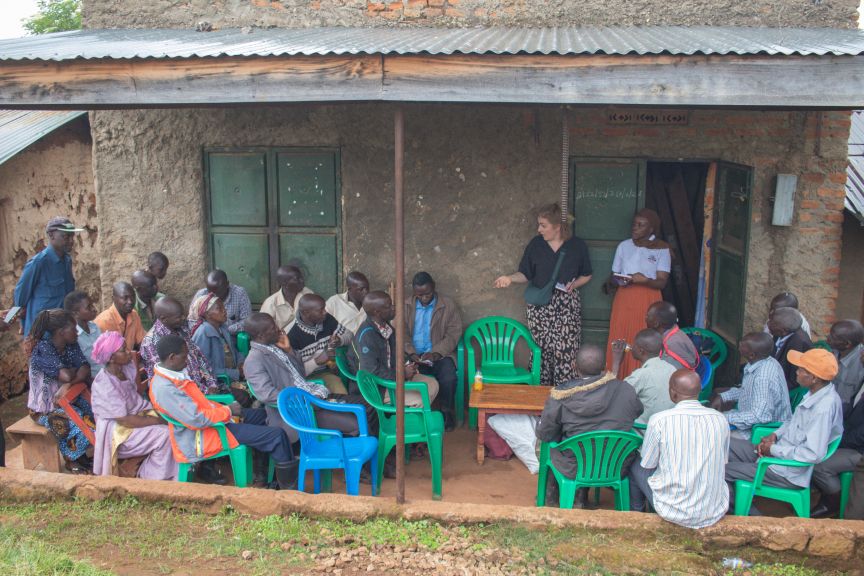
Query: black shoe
[
  {"x": 286, "y": 475},
  {"x": 207, "y": 472},
  {"x": 829, "y": 505}
]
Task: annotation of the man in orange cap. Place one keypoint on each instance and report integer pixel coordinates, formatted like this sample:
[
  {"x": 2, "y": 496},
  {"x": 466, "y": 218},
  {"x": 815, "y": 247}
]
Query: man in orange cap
[{"x": 817, "y": 421}]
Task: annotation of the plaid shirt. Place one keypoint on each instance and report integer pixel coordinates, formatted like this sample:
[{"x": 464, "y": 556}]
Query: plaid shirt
[
  {"x": 237, "y": 306},
  {"x": 763, "y": 396}
]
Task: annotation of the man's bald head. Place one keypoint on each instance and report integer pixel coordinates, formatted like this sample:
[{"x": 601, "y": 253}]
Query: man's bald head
[
  {"x": 756, "y": 345},
  {"x": 123, "y": 296},
  {"x": 650, "y": 341},
  {"x": 684, "y": 385},
  {"x": 661, "y": 316},
  {"x": 590, "y": 360},
  {"x": 845, "y": 335},
  {"x": 785, "y": 321},
  {"x": 145, "y": 283},
  {"x": 311, "y": 309},
  {"x": 379, "y": 306},
  {"x": 290, "y": 278},
  {"x": 784, "y": 300},
  {"x": 261, "y": 328},
  {"x": 217, "y": 283},
  {"x": 170, "y": 312}
]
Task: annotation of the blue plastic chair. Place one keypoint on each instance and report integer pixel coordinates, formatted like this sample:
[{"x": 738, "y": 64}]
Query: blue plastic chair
[
  {"x": 323, "y": 449},
  {"x": 706, "y": 373}
]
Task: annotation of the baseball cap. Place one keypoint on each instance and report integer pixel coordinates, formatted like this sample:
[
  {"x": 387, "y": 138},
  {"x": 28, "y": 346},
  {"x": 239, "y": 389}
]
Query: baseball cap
[
  {"x": 62, "y": 224},
  {"x": 819, "y": 362}
]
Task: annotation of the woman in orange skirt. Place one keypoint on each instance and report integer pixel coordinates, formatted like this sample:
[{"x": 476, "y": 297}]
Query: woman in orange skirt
[{"x": 639, "y": 272}]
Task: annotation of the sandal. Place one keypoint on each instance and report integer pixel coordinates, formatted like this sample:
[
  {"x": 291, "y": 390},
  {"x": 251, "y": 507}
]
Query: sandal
[{"x": 75, "y": 468}]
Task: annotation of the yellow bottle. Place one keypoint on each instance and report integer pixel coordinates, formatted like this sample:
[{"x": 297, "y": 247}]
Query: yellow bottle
[{"x": 478, "y": 381}]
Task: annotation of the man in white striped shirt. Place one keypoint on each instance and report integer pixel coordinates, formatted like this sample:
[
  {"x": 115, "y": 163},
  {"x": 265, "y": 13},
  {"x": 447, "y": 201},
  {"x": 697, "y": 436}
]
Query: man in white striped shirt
[{"x": 683, "y": 459}]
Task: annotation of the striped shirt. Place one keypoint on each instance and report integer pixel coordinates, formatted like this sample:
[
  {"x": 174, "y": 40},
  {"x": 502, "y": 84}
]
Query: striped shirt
[
  {"x": 689, "y": 446},
  {"x": 763, "y": 396}
]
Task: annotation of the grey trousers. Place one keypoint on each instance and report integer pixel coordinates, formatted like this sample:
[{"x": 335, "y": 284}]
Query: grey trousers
[
  {"x": 855, "y": 509},
  {"x": 826, "y": 475},
  {"x": 742, "y": 466},
  {"x": 640, "y": 490}
]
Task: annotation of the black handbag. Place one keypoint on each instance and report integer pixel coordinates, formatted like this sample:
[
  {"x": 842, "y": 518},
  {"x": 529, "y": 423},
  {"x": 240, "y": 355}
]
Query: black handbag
[{"x": 541, "y": 296}]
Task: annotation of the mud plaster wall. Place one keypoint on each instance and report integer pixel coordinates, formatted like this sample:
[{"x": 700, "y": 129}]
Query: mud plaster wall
[
  {"x": 465, "y": 13},
  {"x": 473, "y": 174},
  {"x": 53, "y": 177}
]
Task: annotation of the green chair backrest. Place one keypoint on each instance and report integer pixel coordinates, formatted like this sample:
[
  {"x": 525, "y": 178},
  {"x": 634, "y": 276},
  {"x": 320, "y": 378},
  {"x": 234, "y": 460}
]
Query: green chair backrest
[
  {"x": 600, "y": 455},
  {"x": 796, "y": 395},
  {"x": 368, "y": 384},
  {"x": 417, "y": 420},
  {"x": 709, "y": 344},
  {"x": 822, "y": 344},
  {"x": 497, "y": 338},
  {"x": 243, "y": 344},
  {"x": 220, "y": 428},
  {"x": 342, "y": 363}
]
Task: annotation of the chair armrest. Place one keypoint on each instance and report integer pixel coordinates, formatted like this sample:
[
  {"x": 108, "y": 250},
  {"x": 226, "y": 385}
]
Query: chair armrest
[
  {"x": 639, "y": 426},
  {"x": 224, "y": 378},
  {"x": 424, "y": 395},
  {"x": 223, "y": 435},
  {"x": 356, "y": 409},
  {"x": 763, "y": 463},
  {"x": 536, "y": 360},
  {"x": 760, "y": 431},
  {"x": 220, "y": 398}
]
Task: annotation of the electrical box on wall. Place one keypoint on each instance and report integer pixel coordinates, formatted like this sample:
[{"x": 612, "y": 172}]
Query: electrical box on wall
[{"x": 784, "y": 199}]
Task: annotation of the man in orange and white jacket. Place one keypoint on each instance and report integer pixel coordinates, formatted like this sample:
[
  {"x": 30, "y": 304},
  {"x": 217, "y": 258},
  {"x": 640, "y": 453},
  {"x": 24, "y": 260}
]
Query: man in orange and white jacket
[{"x": 172, "y": 393}]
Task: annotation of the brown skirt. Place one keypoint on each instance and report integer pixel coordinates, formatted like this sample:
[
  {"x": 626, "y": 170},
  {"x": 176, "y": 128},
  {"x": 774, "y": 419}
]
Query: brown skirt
[
  {"x": 628, "y": 319},
  {"x": 557, "y": 329}
]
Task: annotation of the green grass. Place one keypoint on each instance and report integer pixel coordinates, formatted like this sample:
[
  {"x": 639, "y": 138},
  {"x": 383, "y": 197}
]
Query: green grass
[
  {"x": 22, "y": 555},
  {"x": 61, "y": 537}
]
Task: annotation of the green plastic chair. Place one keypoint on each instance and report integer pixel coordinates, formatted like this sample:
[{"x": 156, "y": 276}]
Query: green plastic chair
[
  {"x": 241, "y": 457},
  {"x": 343, "y": 366},
  {"x": 799, "y": 498},
  {"x": 600, "y": 455},
  {"x": 421, "y": 424},
  {"x": 845, "y": 487},
  {"x": 822, "y": 344},
  {"x": 497, "y": 338},
  {"x": 796, "y": 395},
  {"x": 243, "y": 344},
  {"x": 710, "y": 345},
  {"x": 759, "y": 431}
]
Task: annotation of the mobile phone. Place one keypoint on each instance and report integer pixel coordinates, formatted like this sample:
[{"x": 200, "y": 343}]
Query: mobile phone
[{"x": 12, "y": 314}]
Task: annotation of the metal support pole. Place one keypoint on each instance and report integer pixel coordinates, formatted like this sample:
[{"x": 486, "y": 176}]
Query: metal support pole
[{"x": 399, "y": 302}]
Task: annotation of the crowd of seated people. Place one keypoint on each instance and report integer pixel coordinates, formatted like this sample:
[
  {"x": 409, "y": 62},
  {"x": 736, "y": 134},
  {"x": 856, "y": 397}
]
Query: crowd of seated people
[{"x": 148, "y": 355}]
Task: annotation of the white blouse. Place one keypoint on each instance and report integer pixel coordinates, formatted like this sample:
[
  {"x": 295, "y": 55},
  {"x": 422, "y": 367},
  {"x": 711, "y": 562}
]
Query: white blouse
[{"x": 630, "y": 259}]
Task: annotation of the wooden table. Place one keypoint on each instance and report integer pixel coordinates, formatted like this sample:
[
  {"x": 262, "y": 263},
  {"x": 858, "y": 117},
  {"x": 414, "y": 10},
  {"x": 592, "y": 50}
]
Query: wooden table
[{"x": 505, "y": 399}]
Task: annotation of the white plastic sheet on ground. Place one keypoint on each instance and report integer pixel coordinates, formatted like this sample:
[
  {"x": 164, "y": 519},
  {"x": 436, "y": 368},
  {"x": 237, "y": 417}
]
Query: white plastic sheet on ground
[{"x": 518, "y": 431}]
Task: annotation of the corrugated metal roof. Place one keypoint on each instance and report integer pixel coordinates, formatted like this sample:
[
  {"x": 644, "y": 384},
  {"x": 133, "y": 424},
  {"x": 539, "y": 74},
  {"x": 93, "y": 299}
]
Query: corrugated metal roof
[
  {"x": 855, "y": 169},
  {"x": 675, "y": 40},
  {"x": 20, "y": 128}
]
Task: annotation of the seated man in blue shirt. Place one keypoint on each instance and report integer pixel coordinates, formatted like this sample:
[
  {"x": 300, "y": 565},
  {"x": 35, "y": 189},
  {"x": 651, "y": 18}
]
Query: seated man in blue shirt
[
  {"x": 434, "y": 327},
  {"x": 762, "y": 396},
  {"x": 816, "y": 422},
  {"x": 47, "y": 276}
]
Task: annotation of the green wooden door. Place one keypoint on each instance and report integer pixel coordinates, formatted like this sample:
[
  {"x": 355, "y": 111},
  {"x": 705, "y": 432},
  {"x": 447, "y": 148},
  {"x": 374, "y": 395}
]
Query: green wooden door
[
  {"x": 269, "y": 207},
  {"x": 605, "y": 193},
  {"x": 730, "y": 239}
]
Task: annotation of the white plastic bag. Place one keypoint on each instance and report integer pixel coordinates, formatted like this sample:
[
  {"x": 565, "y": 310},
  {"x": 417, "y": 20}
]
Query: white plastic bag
[{"x": 518, "y": 431}]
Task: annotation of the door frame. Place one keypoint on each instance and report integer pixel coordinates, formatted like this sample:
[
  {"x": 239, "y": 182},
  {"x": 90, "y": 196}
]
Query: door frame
[{"x": 274, "y": 230}]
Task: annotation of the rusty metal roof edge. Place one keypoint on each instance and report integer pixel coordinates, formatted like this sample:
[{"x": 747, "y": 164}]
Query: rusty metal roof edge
[
  {"x": 127, "y": 44},
  {"x": 19, "y": 129}
]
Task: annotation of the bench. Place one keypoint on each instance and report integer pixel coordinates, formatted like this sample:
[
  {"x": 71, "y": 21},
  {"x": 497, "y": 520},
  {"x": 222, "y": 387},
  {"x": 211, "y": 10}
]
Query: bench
[{"x": 38, "y": 445}]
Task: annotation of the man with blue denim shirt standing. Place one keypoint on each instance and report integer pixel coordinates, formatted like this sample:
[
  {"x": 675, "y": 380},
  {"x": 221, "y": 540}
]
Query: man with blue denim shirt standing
[{"x": 47, "y": 277}]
